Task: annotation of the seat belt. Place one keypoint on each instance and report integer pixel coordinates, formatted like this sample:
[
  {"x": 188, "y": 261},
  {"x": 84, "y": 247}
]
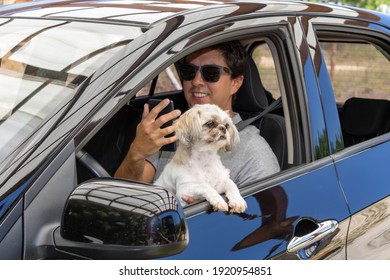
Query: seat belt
[{"x": 273, "y": 106}]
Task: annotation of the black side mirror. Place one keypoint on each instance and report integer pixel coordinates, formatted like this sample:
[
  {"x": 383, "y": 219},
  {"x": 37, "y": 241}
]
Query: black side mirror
[{"x": 116, "y": 219}]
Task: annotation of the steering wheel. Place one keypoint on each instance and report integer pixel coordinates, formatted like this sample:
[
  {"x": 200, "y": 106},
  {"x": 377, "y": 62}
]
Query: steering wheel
[{"x": 92, "y": 164}]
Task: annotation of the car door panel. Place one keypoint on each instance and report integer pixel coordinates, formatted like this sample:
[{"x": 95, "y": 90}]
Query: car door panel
[
  {"x": 364, "y": 176},
  {"x": 363, "y": 169},
  {"x": 369, "y": 234},
  {"x": 45, "y": 201},
  {"x": 326, "y": 94},
  {"x": 312, "y": 192}
]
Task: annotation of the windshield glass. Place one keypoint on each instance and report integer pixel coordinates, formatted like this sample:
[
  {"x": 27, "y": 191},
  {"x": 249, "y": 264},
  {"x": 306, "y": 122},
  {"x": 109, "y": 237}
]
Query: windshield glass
[{"x": 41, "y": 64}]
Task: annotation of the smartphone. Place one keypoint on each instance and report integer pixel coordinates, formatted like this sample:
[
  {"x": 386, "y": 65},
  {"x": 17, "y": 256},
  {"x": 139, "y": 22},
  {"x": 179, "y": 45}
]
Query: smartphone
[{"x": 170, "y": 107}]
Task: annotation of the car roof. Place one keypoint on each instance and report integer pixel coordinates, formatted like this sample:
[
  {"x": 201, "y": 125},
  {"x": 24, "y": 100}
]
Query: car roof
[{"x": 149, "y": 13}]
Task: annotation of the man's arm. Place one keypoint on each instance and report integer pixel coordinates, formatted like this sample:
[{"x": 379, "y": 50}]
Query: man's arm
[{"x": 136, "y": 169}]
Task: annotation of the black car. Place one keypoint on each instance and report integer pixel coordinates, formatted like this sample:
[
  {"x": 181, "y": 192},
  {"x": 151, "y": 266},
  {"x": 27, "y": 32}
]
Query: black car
[{"x": 74, "y": 76}]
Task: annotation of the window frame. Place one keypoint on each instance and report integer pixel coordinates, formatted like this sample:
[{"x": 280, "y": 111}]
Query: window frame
[{"x": 373, "y": 36}]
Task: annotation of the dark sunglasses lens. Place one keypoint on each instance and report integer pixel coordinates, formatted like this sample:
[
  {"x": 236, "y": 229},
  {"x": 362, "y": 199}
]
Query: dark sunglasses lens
[
  {"x": 211, "y": 74},
  {"x": 187, "y": 72}
]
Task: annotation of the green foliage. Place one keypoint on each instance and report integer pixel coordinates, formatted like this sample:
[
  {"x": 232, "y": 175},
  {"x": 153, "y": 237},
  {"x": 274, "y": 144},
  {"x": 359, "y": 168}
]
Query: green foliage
[
  {"x": 377, "y": 5},
  {"x": 367, "y": 4}
]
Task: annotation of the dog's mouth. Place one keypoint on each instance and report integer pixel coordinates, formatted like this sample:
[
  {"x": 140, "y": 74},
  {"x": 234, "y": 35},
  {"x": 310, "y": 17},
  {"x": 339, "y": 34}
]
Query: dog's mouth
[{"x": 215, "y": 139}]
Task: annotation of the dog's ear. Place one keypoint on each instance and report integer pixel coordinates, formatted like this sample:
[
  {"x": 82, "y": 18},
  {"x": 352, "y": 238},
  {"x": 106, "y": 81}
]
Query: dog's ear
[
  {"x": 188, "y": 127},
  {"x": 234, "y": 138}
]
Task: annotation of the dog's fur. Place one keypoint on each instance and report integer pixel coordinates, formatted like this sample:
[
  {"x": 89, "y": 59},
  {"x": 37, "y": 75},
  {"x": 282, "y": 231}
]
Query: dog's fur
[{"x": 196, "y": 169}]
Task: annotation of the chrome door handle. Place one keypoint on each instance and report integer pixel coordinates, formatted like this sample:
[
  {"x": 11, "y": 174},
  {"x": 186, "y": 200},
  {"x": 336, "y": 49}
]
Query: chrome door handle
[{"x": 300, "y": 242}]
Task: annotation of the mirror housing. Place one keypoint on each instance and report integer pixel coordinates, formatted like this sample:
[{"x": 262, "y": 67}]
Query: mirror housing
[{"x": 109, "y": 218}]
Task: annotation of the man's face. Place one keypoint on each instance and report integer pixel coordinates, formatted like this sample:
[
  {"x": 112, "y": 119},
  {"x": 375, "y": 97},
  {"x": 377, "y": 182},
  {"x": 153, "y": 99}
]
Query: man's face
[{"x": 198, "y": 91}]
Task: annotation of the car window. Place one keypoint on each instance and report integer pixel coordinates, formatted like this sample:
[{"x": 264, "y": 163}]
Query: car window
[
  {"x": 166, "y": 84},
  {"x": 266, "y": 65},
  {"x": 264, "y": 55},
  {"x": 167, "y": 81},
  {"x": 357, "y": 70}
]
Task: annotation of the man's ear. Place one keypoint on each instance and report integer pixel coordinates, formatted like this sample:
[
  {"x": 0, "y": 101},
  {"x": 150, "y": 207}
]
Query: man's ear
[{"x": 236, "y": 83}]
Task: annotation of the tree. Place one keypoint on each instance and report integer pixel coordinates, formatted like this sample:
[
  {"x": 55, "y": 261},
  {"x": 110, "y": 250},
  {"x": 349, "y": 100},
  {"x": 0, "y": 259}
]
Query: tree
[
  {"x": 367, "y": 4},
  {"x": 378, "y": 5}
]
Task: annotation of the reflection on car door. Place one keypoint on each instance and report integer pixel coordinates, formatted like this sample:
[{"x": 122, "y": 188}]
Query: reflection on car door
[
  {"x": 293, "y": 207},
  {"x": 364, "y": 176}
]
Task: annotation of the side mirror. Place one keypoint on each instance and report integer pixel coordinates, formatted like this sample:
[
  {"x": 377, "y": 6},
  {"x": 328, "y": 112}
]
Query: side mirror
[{"x": 108, "y": 218}]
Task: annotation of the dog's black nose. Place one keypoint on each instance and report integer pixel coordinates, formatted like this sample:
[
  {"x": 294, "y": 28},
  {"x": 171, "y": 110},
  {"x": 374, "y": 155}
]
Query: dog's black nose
[{"x": 223, "y": 129}]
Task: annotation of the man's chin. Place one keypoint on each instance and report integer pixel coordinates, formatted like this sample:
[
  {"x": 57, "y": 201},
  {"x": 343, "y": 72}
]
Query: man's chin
[{"x": 200, "y": 100}]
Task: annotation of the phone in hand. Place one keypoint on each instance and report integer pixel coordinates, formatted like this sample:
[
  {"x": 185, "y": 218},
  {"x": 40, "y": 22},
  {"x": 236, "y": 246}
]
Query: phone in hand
[{"x": 170, "y": 107}]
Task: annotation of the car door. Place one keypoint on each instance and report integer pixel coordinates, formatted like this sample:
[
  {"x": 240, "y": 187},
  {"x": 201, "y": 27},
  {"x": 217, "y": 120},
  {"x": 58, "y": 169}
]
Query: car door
[
  {"x": 363, "y": 163},
  {"x": 300, "y": 212}
]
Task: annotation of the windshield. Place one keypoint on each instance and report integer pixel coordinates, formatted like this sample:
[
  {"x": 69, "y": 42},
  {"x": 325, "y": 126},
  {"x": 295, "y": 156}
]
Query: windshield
[{"x": 41, "y": 64}]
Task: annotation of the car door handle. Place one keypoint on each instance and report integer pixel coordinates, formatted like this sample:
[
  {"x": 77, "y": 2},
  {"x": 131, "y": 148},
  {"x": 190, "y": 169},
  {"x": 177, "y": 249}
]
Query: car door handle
[{"x": 300, "y": 242}]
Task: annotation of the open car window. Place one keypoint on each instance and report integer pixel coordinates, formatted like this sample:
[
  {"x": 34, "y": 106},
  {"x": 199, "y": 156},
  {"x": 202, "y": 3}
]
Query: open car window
[
  {"x": 166, "y": 84},
  {"x": 359, "y": 69}
]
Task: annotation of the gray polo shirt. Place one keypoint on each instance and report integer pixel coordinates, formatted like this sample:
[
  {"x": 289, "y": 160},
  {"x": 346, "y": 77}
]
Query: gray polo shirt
[{"x": 252, "y": 160}]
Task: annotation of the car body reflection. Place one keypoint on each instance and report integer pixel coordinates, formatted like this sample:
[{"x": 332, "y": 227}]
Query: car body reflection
[
  {"x": 138, "y": 216},
  {"x": 274, "y": 223}
]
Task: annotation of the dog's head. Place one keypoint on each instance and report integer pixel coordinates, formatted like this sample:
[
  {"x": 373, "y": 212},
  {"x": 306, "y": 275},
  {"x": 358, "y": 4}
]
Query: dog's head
[{"x": 208, "y": 126}]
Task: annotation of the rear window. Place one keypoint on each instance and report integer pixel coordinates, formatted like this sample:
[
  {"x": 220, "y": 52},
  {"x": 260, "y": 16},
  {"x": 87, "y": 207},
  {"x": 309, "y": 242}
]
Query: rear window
[{"x": 357, "y": 69}]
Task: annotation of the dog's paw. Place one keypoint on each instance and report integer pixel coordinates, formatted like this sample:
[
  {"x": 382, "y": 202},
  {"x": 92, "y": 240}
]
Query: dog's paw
[
  {"x": 237, "y": 205},
  {"x": 219, "y": 204}
]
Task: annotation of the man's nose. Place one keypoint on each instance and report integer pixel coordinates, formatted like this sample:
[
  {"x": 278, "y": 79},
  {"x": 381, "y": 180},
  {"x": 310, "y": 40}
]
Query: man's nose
[{"x": 197, "y": 79}]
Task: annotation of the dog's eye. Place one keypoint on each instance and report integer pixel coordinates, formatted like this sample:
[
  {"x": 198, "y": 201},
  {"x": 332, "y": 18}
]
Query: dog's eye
[
  {"x": 210, "y": 124},
  {"x": 227, "y": 126}
]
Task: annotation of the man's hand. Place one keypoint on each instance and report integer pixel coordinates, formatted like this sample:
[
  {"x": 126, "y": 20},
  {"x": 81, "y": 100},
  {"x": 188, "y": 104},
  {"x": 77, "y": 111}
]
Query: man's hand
[
  {"x": 150, "y": 137},
  {"x": 188, "y": 199}
]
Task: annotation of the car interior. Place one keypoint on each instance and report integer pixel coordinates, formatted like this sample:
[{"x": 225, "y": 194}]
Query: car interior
[
  {"x": 118, "y": 133},
  {"x": 360, "y": 118},
  {"x": 252, "y": 98}
]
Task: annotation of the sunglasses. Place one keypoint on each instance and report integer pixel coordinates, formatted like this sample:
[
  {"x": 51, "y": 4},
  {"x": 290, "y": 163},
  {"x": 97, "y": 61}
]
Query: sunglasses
[{"x": 210, "y": 73}]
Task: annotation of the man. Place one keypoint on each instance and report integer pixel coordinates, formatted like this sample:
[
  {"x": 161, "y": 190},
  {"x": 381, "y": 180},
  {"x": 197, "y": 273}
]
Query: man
[{"x": 202, "y": 84}]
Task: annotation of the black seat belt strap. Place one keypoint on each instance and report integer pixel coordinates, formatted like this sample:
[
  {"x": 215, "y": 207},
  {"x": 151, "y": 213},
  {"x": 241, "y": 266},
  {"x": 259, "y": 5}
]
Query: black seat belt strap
[{"x": 273, "y": 106}]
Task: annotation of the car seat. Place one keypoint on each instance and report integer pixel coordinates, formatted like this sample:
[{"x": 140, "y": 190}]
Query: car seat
[
  {"x": 363, "y": 119},
  {"x": 251, "y": 99}
]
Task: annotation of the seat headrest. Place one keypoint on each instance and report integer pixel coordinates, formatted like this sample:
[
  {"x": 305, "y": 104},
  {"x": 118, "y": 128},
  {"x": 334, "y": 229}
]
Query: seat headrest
[
  {"x": 251, "y": 96},
  {"x": 361, "y": 116}
]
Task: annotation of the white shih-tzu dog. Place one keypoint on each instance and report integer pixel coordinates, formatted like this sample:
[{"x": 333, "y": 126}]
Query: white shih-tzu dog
[{"x": 196, "y": 169}]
